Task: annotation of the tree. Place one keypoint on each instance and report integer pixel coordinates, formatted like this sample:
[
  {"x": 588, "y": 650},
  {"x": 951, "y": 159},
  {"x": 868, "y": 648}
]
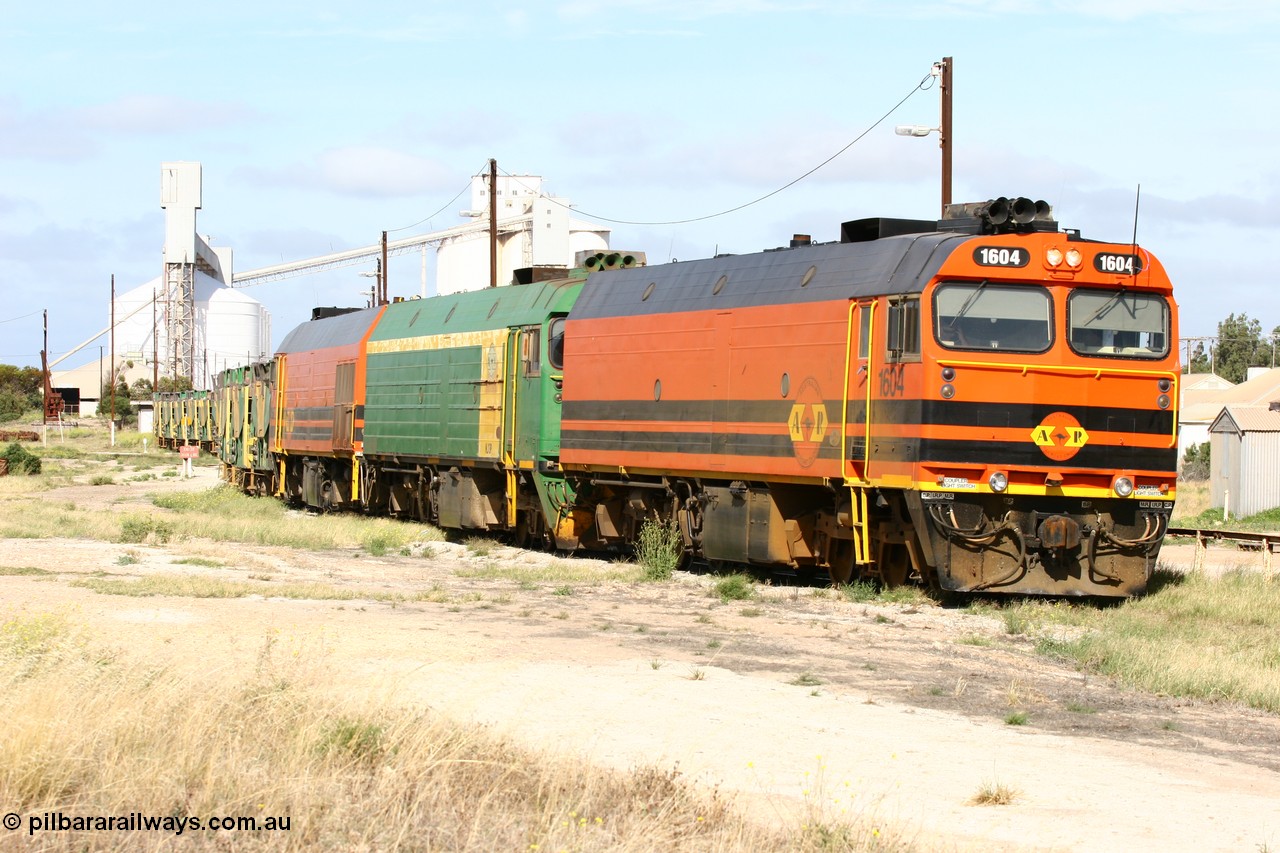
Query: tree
[
  {"x": 1196, "y": 463},
  {"x": 20, "y": 390},
  {"x": 1240, "y": 345}
]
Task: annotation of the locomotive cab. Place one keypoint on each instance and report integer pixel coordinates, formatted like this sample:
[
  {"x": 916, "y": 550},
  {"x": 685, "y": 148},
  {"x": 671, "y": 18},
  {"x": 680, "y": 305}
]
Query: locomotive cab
[{"x": 1047, "y": 461}]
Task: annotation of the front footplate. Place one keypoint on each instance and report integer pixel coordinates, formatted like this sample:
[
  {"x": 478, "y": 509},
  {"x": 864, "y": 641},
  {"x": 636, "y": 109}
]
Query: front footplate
[{"x": 1044, "y": 545}]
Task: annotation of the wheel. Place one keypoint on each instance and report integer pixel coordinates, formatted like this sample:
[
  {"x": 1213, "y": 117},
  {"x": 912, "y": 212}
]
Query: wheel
[
  {"x": 523, "y": 536},
  {"x": 896, "y": 566},
  {"x": 841, "y": 562}
]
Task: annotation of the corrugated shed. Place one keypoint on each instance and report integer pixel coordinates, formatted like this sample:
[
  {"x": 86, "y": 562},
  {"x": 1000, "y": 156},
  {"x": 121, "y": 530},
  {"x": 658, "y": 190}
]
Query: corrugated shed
[
  {"x": 1248, "y": 419},
  {"x": 1245, "y": 473}
]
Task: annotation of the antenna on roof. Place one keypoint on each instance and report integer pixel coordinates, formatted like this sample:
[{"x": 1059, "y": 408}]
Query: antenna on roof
[{"x": 1136, "y": 200}]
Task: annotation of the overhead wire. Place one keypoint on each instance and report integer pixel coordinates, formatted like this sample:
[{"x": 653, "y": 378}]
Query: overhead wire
[
  {"x": 442, "y": 209},
  {"x": 924, "y": 85},
  {"x": 23, "y": 317}
]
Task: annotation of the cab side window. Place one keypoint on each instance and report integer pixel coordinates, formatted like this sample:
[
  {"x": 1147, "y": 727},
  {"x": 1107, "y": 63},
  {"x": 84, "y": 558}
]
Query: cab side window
[
  {"x": 531, "y": 351},
  {"x": 555, "y": 343},
  {"x": 904, "y": 329}
]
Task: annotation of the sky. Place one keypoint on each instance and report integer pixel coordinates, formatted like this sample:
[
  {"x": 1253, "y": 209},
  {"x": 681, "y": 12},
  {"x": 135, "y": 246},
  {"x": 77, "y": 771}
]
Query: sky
[{"x": 321, "y": 124}]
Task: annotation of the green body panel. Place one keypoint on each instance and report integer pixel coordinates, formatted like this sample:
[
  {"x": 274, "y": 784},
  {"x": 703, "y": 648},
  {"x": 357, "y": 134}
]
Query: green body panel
[
  {"x": 242, "y": 407},
  {"x": 444, "y": 376}
]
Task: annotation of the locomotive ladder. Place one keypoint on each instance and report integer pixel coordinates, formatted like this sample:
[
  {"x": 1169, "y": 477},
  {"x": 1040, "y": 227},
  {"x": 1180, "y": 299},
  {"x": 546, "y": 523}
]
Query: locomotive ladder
[
  {"x": 858, "y": 485},
  {"x": 511, "y": 358}
]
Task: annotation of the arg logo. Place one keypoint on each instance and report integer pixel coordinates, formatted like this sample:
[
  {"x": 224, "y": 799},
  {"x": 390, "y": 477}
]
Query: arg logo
[
  {"x": 807, "y": 423},
  {"x": 1059, "y": 436}
]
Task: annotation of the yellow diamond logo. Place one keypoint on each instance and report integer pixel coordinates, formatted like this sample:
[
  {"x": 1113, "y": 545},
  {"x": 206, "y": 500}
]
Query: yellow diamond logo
[
  {"x": 808, "y": 422},
  {"x": 796, "y": 420}
]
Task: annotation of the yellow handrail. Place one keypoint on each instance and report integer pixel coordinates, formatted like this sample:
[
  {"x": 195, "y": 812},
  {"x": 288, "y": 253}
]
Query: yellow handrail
[{"x": 1027, "y": 367}]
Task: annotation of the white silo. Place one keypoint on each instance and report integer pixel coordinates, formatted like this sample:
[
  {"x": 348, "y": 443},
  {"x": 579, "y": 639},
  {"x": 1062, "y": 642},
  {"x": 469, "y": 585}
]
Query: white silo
[
  {"x": 231, "y": 329},
  {"x": 236, "y": 327}
]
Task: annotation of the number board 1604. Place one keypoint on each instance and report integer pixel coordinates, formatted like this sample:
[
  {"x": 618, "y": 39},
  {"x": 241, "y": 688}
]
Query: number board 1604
[
  {"x": 1001, "y": 256},
  {"x": 1116, "y": 263}
]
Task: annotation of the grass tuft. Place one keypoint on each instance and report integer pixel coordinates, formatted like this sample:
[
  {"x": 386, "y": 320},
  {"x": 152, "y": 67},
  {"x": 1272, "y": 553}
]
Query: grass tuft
[
  {"x": 735, "y": 587},
  {"x": 994, "y": 794},
  {"x": 659, "y": 549}
]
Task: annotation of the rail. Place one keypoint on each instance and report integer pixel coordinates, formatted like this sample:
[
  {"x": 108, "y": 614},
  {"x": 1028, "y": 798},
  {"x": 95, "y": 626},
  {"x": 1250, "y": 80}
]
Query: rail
[
  {"x": 1267, "y": 543},
  {"x": 1257, "y": 541}
]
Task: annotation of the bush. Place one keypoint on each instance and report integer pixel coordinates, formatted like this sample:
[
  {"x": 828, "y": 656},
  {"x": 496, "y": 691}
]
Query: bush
[
  {"x": 21, "y": 460},
  {"x": 1195, "y": 464},
  {"x": 659, "y": 549}
]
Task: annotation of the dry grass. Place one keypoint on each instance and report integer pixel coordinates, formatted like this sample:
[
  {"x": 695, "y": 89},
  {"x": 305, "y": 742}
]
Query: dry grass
[
  {"x": 994, "y": 794},
  {"x": 1191, "y": 635},
  {"x": 1193, "y": 499},
  {"x": 88, "y": 731},
  {"x": 559, "y": 571},
  {"x": 199, "y": 586}
]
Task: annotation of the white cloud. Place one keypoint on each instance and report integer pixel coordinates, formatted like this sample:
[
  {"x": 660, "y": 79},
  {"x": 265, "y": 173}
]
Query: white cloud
[
  {"x": 161, "y": 114},
  {"x": 69, "y": 135},
  {"x": 41, "y": 135},
  {"x": 679, "y": 10},
  {"x": 363, "y": 171}
]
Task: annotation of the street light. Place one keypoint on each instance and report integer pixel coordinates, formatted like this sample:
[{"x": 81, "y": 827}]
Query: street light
[
  {"x": 941, "y": 70},
  {"x": 915, "y": 130},
  {"x": 372, "y": 292}
]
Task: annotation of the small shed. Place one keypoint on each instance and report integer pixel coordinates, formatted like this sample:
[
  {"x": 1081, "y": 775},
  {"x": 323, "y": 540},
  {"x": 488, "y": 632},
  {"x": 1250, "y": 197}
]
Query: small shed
[
  {"x": 145, "y": 412},
  {"x": 1245, "y": 456}
]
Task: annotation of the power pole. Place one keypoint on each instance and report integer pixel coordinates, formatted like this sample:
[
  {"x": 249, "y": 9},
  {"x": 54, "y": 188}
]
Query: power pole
[
  {"x": 113, "y": 359},
  {"x": 44, "y": 368},
  {"x": 382, "y": 277},
  {"x": 944, "y": 141},
  {"x": 155, "y": 349},
  {"x": 493, "y": 222}
]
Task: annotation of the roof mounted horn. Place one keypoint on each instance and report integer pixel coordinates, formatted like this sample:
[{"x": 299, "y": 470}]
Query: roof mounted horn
[{"x": 998, "y": 216}]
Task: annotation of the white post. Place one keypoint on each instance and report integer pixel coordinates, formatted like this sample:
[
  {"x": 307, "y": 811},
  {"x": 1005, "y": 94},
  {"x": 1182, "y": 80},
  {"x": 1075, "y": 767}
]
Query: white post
[{"x": 1226, "y": 505}]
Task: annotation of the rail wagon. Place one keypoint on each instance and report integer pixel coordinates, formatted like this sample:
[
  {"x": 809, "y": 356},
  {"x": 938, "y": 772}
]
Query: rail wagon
[
  {"x": 184, "y": 417},
  {"x": 243, "y": 405},
  {"x": 980, "y": 403}
]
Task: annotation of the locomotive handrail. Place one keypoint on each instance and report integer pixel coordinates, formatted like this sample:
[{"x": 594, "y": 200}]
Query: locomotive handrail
[
  {"x": 857, "y": 489},
  {"x": 281, "y": 382},
  {"x": 1098, "y": 372},
  {"x": 844, "y": 413}
]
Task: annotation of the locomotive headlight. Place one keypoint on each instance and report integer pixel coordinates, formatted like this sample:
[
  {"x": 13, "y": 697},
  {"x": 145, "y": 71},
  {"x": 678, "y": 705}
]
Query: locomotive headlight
[
  {"x": 1123, "y": 486},
  {"x": 1073, "y": 257},
  {"x": 999, "y": 481},
  {"x": 1053, "y": 257}
]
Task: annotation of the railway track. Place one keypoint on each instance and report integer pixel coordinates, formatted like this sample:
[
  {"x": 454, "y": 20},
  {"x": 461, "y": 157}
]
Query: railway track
[
  {"x": 1244, "y": 539},
  {"x": 1267, "y": 543}
]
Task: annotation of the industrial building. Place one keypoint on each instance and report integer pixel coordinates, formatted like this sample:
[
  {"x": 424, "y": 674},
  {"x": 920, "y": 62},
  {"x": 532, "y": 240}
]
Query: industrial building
[
  {"x": 194, "y": 321},
  {"x": 186, "y": 322}
]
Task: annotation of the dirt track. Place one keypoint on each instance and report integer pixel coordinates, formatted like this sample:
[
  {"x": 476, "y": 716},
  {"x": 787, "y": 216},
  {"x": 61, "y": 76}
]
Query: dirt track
[{"x": 792, "y": 699}]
